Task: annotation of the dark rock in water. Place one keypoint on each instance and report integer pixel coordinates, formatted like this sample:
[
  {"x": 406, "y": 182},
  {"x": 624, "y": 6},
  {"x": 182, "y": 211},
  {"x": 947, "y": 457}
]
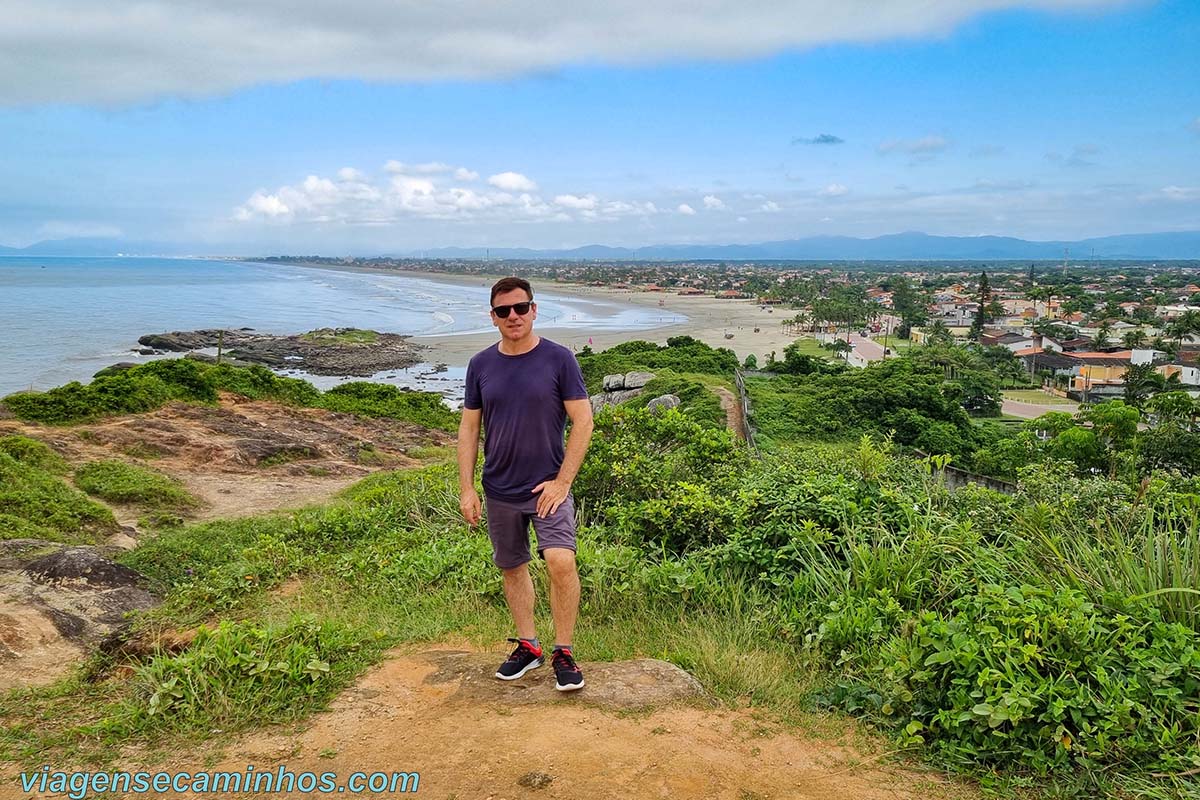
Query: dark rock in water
[
  {"x": 146, "y": 351},
  {"x": 325, "y": 351},
  {"x": 72, "y": 565}
]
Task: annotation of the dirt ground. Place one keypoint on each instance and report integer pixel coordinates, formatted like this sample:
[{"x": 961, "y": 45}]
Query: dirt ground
[
  {"x": 243, "y": 457},
  {"x": 441, "y": 714}
]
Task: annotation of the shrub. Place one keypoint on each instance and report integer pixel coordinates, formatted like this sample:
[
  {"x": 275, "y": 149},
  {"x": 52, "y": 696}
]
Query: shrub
[
  {"x": 37, "y": 504},
  {"x": 1040, "y": 679},
  {"x": 241, "y": 673},
  {"x": 119, "y": 482}
]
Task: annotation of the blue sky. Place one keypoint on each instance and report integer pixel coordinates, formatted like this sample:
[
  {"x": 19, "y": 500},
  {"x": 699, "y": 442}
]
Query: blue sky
[{"x": 375, "y": 127}]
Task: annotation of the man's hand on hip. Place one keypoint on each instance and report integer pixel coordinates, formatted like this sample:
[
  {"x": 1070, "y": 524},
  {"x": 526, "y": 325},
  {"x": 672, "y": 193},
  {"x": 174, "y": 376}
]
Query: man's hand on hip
[
  {"x": 553, "y": 493},
  {"x": 468, "y": 504}
]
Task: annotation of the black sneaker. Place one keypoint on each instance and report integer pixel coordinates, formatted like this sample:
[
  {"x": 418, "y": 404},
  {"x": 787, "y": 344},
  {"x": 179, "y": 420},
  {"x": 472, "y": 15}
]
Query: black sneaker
[
  {"x": 567, "y": 676},
  {"x": 523, "y": 659}
]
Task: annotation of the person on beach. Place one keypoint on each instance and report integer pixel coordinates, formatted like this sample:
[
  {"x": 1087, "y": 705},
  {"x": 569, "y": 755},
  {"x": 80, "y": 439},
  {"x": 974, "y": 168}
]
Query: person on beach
[{"x": 523, "y": 389}]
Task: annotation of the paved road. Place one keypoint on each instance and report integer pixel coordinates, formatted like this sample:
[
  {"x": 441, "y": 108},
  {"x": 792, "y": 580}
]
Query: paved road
[
  {"x": 1015, "y": 408},
  {"x": 868, "y": 349}
]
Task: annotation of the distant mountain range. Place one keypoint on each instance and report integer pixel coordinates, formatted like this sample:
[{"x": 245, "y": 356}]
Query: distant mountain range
[
  {"x": 893, "y": 247},
  {"x": 896, "y": 247}
]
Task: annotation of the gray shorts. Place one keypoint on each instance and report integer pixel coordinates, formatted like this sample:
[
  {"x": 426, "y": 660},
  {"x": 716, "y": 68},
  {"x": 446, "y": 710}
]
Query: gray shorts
[{"x": 508, "y": 528}]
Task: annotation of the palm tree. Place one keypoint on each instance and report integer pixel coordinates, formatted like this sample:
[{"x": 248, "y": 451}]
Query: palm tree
[
  {"x": 1134, "y": 339},
  {"x": 1103, "y": 335}
]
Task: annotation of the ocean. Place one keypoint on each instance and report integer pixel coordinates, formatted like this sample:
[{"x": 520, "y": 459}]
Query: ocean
[{"x": 63, "y": 319}]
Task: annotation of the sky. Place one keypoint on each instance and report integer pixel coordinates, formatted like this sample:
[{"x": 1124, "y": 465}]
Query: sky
[{"x": 391, "y": 126}]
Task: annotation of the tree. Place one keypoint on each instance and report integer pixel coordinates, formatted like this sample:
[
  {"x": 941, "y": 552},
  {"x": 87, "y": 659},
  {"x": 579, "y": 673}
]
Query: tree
[
  {"x": 751, "y": 362},
  {"x": 1175, "y": 408},
  {"x": 1103, "y": 335},
  {"x": 984, "y": 299},
  {"x": 1134, "y": 339}
]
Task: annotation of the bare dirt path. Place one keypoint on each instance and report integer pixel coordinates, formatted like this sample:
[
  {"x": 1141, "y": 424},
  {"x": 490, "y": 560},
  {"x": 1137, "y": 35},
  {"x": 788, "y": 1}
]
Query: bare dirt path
[
  {"x": 733, "y": 411},
  {"x": 243, "y": 457},
  {"x": 441, "y": 714}
]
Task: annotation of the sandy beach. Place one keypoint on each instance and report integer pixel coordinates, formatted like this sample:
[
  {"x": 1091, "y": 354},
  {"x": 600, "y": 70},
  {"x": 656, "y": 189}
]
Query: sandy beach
[{"x": 708, "y": 319}]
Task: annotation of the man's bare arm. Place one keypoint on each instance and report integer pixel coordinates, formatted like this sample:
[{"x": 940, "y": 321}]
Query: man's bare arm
[
  {"x": 468, "y": 454},
  {"x": 554, "y": 492}
]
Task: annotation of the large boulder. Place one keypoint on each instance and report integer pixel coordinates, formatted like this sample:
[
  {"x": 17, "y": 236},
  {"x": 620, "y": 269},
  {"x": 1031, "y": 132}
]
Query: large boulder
[
  {"x": 57, "y": 604},
  {"x": 612, "y": 383},
  {"x": 599, "y": 401},
  {"x": 662, "y": 403},
  {"x": 636, "y": 380},
  {"x": 640, "y": 684}
]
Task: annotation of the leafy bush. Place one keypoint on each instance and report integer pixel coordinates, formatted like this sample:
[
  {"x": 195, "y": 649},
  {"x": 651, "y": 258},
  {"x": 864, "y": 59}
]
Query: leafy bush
[
  {"x": 38, "y": 504},
  {"x": 1039, "y": 679},
  {"x": 34, "y": 454},
  {"x": 242, "y": 673},
  {"x": 149, "y": 386},
  {"x": 383, "y": 400},
  {"x": 679, "y": 354},
  {"x": 696, "y": 401},
  {"x": 119, "y": 482}
]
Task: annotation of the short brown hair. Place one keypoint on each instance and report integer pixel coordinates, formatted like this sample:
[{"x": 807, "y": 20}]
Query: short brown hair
[{"x": 508, "y": 284}]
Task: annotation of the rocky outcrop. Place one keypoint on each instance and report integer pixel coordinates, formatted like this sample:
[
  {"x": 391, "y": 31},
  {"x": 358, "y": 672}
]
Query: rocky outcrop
[
  {"x": 619, "y": 388},
  {"x": 57, "y": 604},
  {"x": 639, "y": 684},
  {"x": 326, "y": 351},
  {"x": 662, "y": 403}
]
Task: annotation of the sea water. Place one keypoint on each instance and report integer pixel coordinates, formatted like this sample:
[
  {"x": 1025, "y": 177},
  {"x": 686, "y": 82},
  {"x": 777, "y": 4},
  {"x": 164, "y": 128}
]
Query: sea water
[{"x": 63, "y": 319}]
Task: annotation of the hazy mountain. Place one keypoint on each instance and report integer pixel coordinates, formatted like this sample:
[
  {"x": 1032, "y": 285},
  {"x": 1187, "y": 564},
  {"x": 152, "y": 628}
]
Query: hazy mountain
[
  {"x": 910, "y": 246},
  {"x": 900, "y": 246}
]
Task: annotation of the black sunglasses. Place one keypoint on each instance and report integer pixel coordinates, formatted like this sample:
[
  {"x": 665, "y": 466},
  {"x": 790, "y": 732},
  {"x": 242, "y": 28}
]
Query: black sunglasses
[{"x": 521, "y": 308}]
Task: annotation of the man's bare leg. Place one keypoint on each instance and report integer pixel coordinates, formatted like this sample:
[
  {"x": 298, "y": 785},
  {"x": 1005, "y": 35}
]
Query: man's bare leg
[
  {"x": 564, "y": 591},
  {"x": 518, "y": 591}
]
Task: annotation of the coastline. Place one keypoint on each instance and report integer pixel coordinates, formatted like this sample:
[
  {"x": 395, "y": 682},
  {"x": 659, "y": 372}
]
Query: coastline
[{"x": 708, "y": 319}]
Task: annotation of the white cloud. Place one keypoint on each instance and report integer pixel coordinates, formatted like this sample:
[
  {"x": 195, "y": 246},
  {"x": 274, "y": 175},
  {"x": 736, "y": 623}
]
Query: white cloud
[
  {"x": 129, "y": 51},
  {"x": 685, "y": 209},
  {"x": 833, "y": 190},
  {"x": 512, "y": 182},
  {"x": 713, "y": 203},
  {"x": 770, "y": 207},
  {"x": 925, "y": 146},
  {"x": 424, "y": 192},
  {"x": 587, "y": 202},
  {"x": 741, "y": 219},
  {"x": 1177, "y": 194},
  {"x": 269, "y": 206},
  {"x": 465, "y": 175}
]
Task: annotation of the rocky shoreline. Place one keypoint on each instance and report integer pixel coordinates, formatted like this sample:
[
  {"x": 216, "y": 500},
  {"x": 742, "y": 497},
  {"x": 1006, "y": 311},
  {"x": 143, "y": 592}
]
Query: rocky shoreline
[{"x": 325, "y": 351}]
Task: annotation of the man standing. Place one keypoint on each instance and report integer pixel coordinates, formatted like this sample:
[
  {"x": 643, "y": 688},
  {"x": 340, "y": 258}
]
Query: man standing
[{"x": 523, "y": 389}]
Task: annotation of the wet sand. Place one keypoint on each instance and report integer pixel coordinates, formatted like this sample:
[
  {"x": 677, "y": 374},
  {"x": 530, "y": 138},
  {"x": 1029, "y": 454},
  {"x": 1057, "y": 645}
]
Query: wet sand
[{"x": 708, "y": 319}]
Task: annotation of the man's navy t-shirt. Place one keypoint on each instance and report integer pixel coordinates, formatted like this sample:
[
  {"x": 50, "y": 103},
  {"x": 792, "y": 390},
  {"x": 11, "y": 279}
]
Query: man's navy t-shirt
[{"x": 523, "y": 415}]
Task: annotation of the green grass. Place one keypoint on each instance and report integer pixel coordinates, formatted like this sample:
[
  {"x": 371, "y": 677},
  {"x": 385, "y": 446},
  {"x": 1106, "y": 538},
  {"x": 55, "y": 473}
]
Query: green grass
[
  {"x": 807, "y": 346},
  {"x": 36, "y": 503},
  {"x": 1035, "y": 396},
  {"x": 128, "y": 484},
  {"x": 150, "y": 386},
  {"x": 330, "y": 336}
]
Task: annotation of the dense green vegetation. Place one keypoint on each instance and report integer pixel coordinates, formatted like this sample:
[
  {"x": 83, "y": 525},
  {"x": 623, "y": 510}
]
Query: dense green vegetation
[
  {"x": 129, "y": 484},
  {"x": 35, "y": 501},
  {"x": 149, "y": 386},
  {"x": 1043, "y": 640},
  {"x": 680, "y": 354}
]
